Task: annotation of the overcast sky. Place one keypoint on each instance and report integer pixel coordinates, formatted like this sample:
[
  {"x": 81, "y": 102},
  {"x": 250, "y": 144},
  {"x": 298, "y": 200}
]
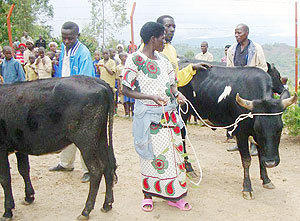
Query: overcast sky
[{"x": 194, "y": 18}]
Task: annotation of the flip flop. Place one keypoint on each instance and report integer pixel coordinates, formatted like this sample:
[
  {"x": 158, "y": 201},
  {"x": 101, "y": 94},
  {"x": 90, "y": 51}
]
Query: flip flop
[
  {"x": 146, "y": 202},
  {"x": 180, "y": 204}
]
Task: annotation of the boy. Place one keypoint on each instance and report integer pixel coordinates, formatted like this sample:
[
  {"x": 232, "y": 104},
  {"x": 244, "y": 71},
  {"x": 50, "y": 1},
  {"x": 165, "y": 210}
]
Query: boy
[
  {"x": 29, "y": 68},
  {"x": 128, "y": 102},
  {"x": 12, "y": 70},
  {"x": 107, "y": 69},
  {"x": 97, "y": 57},
  {"x": 43, "y": 65}
]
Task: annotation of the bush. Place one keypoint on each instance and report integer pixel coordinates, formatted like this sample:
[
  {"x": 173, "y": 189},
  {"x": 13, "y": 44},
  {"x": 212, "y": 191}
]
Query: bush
[{"x": 291, "y": 119}]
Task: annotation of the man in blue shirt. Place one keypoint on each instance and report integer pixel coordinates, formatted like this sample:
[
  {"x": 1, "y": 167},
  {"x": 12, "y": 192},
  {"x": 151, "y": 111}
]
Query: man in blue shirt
[
  {"x": 12, "y": 70},
  {"x": 75, "y": 59}
]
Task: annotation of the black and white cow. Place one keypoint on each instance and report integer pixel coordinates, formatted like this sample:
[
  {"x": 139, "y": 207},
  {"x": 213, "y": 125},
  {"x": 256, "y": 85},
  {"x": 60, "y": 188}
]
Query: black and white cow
[{"x": 221, "y": 94}]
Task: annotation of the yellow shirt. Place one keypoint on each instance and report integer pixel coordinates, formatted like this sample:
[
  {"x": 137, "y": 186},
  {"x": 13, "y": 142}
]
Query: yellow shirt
[
  {"x": 30, "y": 73},
  {"x": 104, "y": 75}
]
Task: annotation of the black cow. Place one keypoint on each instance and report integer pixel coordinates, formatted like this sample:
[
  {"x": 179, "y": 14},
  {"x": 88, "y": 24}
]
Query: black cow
[
  {"x": 214, "y": 94},
  {"x": 44, "y": 116}
]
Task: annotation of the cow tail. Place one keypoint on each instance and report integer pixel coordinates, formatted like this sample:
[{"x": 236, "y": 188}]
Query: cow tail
[{"x": 111, "y": 156}]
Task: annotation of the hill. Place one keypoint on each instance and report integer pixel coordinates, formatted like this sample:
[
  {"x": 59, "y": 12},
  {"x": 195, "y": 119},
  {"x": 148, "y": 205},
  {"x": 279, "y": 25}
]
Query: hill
[{"x": 281, "y": 54}]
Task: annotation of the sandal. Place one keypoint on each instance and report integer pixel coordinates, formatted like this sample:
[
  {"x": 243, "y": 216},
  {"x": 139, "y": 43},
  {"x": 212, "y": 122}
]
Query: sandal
[
  {"x": 181, "y": 204},
  {"x": 147, "y": 202}
]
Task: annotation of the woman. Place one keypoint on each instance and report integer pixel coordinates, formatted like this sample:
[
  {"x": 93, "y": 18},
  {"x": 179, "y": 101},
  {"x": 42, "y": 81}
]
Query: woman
[{"x": 150, "y": 79}]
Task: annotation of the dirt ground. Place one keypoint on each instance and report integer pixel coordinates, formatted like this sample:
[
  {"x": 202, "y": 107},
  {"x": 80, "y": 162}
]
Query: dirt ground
[{"x": 60, "y": 196}]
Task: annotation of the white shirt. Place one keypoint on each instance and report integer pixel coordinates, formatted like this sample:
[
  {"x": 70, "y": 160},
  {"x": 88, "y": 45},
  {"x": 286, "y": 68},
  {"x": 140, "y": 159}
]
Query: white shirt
[{"x": 66, "y": 72}]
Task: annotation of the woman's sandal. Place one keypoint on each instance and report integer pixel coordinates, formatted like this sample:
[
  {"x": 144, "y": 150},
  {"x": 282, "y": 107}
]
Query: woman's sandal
[
  {"x": 147, "y": 202},
  {"x": 181, "y": 204}
]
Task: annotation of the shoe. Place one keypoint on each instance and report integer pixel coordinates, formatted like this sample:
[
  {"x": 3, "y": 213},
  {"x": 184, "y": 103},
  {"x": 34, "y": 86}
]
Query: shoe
[
  {"x": 60, "y": 168},
  {"x": 181, "y": 204},
  {"x": 234, "y": 148},
  {"x": 253, "y": 150},
  {"x": 85, "y": 178},
  {"x": 147, "y": 202}
]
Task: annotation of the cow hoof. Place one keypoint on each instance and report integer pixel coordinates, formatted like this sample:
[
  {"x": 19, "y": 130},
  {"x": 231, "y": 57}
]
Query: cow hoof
[
  {"x": 269, "y": 186},
  {"x": 106, "y": 208},
  {"x": 82, "y": 217},
  {"x": 248, "y": 195}
]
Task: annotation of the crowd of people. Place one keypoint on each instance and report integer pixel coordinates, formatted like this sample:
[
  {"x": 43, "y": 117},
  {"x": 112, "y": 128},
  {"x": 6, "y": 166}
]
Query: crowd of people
[{"x": 148, "y": 77}]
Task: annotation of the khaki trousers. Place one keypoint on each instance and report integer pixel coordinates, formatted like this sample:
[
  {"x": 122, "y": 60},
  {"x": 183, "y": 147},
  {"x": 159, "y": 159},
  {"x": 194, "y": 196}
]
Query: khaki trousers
[{"x": 67, "y": 158}]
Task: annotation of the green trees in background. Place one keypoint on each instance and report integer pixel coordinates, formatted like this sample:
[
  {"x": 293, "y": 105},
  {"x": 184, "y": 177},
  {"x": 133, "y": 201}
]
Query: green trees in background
[
  {"x": 108, "y": 17},
  {"x": 26, "y": 16}
]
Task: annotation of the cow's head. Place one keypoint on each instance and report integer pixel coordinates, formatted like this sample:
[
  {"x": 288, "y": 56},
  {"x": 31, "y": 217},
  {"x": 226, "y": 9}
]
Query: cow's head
[
  {"x": 276, "y": 79},
  {"x": 267, "y": 128}
]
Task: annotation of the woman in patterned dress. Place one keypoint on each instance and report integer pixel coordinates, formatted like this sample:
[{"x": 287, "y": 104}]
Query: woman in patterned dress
[{"x": 150, "y": 79}]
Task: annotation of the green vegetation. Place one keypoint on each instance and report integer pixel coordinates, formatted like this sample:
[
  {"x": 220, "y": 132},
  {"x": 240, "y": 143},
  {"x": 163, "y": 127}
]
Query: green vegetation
[
  {"x": 28, "y": 15},
  {"x": 291, "y": 119},
  {"x": 282, "y": 55}
]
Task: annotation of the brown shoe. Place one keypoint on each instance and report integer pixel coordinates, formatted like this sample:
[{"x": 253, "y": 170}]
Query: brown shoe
[{"x": 60, "y": 168}]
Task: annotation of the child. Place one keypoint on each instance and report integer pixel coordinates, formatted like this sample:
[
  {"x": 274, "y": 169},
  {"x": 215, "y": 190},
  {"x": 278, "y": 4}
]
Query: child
[
  {"x": 55, "y": 66},
  {"x": 107, "y": 69},
  {"x": 20, "y": 53},
  {"x": 29, "y": 68},
  {"x": 43, "y": 65},
  {"x": 12, "y": 70},
  {"x": 95, "y": 62},
  {"x": 128, "y": 102}
]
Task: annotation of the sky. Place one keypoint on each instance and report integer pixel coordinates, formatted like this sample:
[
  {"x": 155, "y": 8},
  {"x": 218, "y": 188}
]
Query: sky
[{"x": 195, "y": 19}]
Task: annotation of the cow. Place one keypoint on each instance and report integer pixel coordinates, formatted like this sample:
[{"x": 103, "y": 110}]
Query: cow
[
  {"x": 45, "y": 116},
  {"x": 222, "y": 94}
]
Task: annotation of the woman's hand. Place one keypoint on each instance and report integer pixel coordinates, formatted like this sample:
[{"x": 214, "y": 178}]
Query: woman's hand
[
  {"x": 181, "y": 98},
  {"x": 159, "y": 100}
]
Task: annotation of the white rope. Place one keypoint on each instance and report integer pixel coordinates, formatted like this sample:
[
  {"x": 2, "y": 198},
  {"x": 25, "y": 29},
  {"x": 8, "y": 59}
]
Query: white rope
[{"x": 234, "y": 125}]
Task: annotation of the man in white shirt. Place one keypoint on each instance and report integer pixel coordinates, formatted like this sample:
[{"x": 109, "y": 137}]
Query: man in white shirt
[
  {"x": 75, "y": 59},
  {"x": 204, "y": 55}
]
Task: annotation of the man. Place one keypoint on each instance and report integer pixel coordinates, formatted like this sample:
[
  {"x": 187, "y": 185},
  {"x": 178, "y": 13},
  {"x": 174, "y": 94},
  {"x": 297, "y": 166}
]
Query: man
[
  {"x": 185, "y": 75},
  {"x": 43, "y": 65},
  {"x": 75, "y": 59},
  {"x": 245, "y": 53},
  {"x": 204, "y": 55},
  {"x": 40, "y": 42},
  {"x": 12, "y": 70},
  {"x": 25, "y": 37}
]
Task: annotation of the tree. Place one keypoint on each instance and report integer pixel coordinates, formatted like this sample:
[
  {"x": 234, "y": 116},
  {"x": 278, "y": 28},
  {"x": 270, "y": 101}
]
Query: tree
[
  {"x": 26, "y": 15},
  {"x": 108, "y": 17},
  {"x": 88, "y": 39}
]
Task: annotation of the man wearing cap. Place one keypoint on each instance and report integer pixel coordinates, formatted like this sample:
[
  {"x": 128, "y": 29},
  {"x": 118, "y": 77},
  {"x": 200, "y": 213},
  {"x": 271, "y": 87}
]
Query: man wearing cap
[{"x": 29, "y": 51}]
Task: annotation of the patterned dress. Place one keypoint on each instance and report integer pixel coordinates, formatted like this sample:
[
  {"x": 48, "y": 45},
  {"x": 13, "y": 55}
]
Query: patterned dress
[{"x": 164, "y": 176}]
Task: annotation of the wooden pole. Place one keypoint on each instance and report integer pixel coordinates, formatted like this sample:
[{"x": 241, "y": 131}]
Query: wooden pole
[
  {"x": 296, "y": 49},
  {"x": 9, "y": 26},
  {"x": 131, "y": 23}
]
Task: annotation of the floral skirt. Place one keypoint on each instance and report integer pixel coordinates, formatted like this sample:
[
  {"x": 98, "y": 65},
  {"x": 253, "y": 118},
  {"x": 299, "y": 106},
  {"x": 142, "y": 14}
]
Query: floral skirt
[{"x": 164, "y": 176}]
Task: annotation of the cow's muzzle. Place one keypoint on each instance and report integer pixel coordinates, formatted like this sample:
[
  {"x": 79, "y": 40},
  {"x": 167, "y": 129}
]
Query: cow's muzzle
[{"x": 271, "y": 163}]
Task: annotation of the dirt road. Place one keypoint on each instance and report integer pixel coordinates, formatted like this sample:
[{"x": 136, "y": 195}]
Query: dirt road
[{"x": 60, "y": 196}]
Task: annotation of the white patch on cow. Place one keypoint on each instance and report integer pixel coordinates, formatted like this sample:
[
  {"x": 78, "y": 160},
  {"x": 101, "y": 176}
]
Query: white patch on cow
[{"x": 225, "y": 93}]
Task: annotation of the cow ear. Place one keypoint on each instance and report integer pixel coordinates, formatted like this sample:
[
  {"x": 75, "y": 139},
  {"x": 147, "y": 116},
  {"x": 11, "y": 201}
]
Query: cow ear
[
  {"x": 269, "y": 66},
  {"x": 244, "y": 103}
]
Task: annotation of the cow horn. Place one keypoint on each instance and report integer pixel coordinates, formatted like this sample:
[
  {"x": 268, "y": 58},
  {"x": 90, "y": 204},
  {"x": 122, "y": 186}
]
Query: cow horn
[
  {"x": 244, "y": 103},
  {"x": 289, "y": 101}
]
